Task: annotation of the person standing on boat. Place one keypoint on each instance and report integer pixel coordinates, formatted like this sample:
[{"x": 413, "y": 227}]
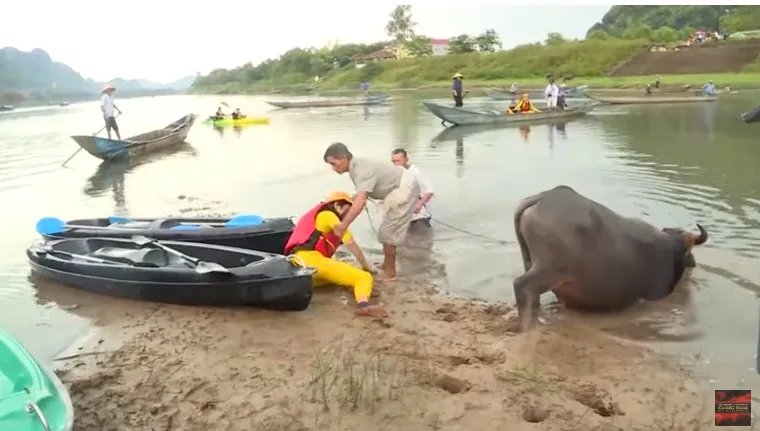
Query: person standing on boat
[
  {"x": 314, "y": 242},
  {"x": 456, "y": 88},
  {"x": 551, "y": 93},
  {"x": 561, "y": 98},
  {"x": 365, "y": 88},
  {"x": 393, "y": 185},
  {"x": 709, "y": 89},
  {"x": 108, "y": 108},
  {"x": 422, "y": 214}
]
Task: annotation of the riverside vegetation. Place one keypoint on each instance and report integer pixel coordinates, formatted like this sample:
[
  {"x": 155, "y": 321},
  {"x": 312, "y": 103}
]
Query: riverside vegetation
[{"x": 625, "y": 33}]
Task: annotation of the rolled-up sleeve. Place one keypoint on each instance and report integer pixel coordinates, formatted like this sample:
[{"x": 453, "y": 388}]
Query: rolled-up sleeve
[{"x": 425, "y": 186}]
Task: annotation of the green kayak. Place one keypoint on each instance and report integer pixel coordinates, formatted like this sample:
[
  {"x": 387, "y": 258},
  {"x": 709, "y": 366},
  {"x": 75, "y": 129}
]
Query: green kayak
[{"x": 31, "y": 398}]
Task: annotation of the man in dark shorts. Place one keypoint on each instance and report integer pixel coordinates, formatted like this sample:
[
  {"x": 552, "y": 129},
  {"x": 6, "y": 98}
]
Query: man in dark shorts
[{"x": 108, "y": 108}]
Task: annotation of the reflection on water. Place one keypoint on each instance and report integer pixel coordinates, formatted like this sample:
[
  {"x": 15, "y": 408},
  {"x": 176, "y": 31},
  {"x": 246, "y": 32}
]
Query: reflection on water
[{"x": 674, "y": 166}]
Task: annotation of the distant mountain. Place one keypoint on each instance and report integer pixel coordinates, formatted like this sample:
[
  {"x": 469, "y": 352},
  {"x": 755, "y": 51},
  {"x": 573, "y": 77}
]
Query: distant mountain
[{"x": 34, "y": 77}]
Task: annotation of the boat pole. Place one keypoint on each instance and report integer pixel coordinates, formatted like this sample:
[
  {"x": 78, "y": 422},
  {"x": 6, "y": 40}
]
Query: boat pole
[{"x": 80, "y": 148}]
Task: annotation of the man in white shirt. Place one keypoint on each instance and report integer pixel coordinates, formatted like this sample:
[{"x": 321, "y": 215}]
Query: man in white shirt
[
  {"x": 422, "y": 212},
  {"x": 108, "y": 108},
  {"x": 551, "y": 93}
]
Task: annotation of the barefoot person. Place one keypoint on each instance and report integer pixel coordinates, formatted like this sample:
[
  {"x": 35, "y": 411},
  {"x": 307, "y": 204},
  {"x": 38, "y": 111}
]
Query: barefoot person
[
  {"x": 394, "y": 185},
  {"x": 422, "y": 214},
  {"x": 315, "y": 243},
  {"x": 108, "y": 108}
]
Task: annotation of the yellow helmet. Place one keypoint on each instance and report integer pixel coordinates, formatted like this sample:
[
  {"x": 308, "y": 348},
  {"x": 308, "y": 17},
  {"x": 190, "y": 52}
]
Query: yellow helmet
[{"x": 339, "y": 196}]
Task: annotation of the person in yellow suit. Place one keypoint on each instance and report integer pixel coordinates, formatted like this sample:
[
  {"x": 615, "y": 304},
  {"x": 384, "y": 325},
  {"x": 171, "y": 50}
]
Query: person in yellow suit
[
  {"x": 315, "y": 243},
  {"x": 523, "y": 106}
]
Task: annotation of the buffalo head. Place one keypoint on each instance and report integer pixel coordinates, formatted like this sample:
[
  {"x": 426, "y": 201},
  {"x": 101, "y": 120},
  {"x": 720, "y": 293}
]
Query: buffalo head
[{"x": 688, "y": 240}]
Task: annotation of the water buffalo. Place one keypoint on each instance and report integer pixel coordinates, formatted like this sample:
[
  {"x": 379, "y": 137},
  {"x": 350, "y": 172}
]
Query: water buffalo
[{"x": 591, "y": 257}]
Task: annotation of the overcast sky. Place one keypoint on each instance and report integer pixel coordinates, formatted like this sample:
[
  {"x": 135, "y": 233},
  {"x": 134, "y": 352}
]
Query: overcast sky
[{"x": 163, "y": 40}]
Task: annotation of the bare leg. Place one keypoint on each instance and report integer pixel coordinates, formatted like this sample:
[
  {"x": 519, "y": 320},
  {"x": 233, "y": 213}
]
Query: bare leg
[
  {"x": 389, "y": 261},
  {"x": 118, "y": 135}
]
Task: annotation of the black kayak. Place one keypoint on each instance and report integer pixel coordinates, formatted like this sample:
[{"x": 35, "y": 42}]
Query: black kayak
[
  {"x": 169, "y": 271},
  {"x": 269, "y": 236},
  {"x": 751, "y": 116}
]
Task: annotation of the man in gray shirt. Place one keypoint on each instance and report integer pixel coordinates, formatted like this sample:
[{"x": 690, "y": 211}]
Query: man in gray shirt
[{"x": 394, "y": 185}]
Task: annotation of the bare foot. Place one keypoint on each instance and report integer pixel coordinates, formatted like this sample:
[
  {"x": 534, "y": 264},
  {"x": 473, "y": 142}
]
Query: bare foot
[{"x": 371, "y": 311}]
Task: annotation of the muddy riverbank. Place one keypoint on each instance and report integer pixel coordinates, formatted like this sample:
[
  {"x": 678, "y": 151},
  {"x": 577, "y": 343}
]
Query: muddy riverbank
[{"x": 435, "y": 363}]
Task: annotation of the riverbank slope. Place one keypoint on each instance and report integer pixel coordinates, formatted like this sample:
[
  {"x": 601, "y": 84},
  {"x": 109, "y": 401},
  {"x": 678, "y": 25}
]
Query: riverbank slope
[
  {"x": 434, "y": 363},
  {"x": 597, "y": 63}
]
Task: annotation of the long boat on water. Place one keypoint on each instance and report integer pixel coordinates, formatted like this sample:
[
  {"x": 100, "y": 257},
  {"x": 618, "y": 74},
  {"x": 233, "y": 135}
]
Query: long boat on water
[
  {"x": 461, "y": 117},
  {"x": 652, "y": 98},
  {"x": 108, "y": 149},
  {"x": 329, "y": 103}
]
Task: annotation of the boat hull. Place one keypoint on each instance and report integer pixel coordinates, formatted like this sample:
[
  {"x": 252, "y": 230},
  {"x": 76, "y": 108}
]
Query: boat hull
[
  {"x": 268, "y": 237},
  {"x": 256, "y": 279},
  {"x": 30, "y": 392},
  {"x": 372, "y": 100},
  {"x": 156, "y": 140},
  {"x": 752, "y": 116},
  {"x": 462, "y": 117}
]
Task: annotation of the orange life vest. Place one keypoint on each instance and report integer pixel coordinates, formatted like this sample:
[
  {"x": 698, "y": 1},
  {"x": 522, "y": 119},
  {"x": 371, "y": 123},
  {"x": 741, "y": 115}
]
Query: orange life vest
[
  {"x": 525, "y": 105},
  {"x": 305, "y": 235}
]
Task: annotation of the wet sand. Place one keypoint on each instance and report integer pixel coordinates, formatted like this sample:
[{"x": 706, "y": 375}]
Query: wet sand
[{"x": 436, "y": 363}]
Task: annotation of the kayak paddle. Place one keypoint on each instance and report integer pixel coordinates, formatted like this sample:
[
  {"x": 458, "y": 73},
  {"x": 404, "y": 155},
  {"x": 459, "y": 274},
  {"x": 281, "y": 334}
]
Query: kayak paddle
[
  {"x": 200, "y": 266},
  {"x": 54, "y": 225},
  {"x": 60, "y": 253}
]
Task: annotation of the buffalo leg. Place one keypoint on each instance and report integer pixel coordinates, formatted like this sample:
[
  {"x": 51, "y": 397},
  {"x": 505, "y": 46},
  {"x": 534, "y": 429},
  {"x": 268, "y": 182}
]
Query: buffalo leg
[{"x": 528, "y": 289}]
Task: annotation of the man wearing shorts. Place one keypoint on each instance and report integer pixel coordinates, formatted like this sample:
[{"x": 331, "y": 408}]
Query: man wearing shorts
[
  {"x": 394, "y": 185},
  {"x": 108, "y": 108}
]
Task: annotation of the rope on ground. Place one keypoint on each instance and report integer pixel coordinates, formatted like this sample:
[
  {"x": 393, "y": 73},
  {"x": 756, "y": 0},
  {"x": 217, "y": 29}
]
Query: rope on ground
[{"x": 460, "y": 230}]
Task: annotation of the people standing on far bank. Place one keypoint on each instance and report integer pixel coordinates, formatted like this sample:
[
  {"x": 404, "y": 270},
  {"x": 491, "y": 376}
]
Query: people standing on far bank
[
  {"x": 375, "y": 179},
  {"x": 456, "y": 88},
  {"x": 108, "y": 108}
]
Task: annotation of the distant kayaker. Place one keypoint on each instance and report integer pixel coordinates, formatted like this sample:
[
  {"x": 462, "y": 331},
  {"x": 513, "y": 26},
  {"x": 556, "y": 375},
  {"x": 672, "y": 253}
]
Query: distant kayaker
[
  {"x": 456, "y": 88},
  {"x": 551, "y": 93},
  {"x": 513, "y": 89},
  {"x": 657, "y": 81},
  {"x": 375, "y": 179},
  {"x": 523, "y": 106},
  {"x": 709, "y": 89},
  {"x": 108, "y": 108},
  {"x": 365, "y": 88},
  {"x": 314, "y": 241},
  {"x": 422, "y": 214},
  {"x": 236, "y": 114},
  {"x": 219, "y": 113}
]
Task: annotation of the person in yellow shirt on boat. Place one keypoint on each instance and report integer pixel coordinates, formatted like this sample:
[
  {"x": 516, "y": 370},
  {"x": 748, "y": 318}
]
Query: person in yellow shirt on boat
[
  {"x": 315, "y": 243},
  {"x": 523, "y": 106}
]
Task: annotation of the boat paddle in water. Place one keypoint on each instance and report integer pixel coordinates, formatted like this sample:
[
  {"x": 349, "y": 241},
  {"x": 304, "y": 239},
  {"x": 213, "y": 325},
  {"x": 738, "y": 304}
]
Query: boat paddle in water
[
  {"x": 32, "y": 398},
  {"x": 175, "y": 272},
  {"x": 248, "y": 231}
]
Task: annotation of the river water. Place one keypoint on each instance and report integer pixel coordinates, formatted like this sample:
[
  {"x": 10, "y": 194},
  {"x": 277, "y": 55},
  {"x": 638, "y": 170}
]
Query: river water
[{"x": 674, "y": 165}]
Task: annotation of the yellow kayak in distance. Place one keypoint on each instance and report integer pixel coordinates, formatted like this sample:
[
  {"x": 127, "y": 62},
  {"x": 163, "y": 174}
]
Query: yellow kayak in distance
[{"x": 246, "y": 121}]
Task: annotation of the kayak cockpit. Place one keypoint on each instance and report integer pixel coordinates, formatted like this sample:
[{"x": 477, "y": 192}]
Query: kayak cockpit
[{"x": 129, "y": 253}]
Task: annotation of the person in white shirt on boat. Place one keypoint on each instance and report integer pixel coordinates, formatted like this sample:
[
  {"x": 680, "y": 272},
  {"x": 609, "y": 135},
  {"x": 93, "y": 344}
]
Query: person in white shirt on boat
[
  {"x": 551, "y": 93},
  {"x": 108, "y": 108},
  {"x": 422, "y": 213}
]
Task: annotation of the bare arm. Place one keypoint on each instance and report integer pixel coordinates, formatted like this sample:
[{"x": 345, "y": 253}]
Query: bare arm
[
  {"x": 426, "y": 197},
  {"x": 354, "y": 248},
  {"x": 360, "y": 201}
]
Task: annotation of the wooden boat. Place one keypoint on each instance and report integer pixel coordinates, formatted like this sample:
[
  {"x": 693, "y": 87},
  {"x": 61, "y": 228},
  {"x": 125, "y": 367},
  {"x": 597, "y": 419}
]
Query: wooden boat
[
  {"x": 32, "y": 398},
  {"x": 460, "y": 117},
  {"x": 170, "y": 272},
  {"x": 267, "y": 235},
  {"x": 458, "y": 133},
  {"x": 636, "y": 100},
  {"x": 109, "y": 149},
  {"x": 328, "y": 103},
  {"x": 4, "y": 108}
]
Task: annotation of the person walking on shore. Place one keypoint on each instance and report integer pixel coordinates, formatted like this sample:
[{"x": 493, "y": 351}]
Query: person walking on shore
[
  {"x": 375, "y": 179},
  {"x": 108, "y": 108}
]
